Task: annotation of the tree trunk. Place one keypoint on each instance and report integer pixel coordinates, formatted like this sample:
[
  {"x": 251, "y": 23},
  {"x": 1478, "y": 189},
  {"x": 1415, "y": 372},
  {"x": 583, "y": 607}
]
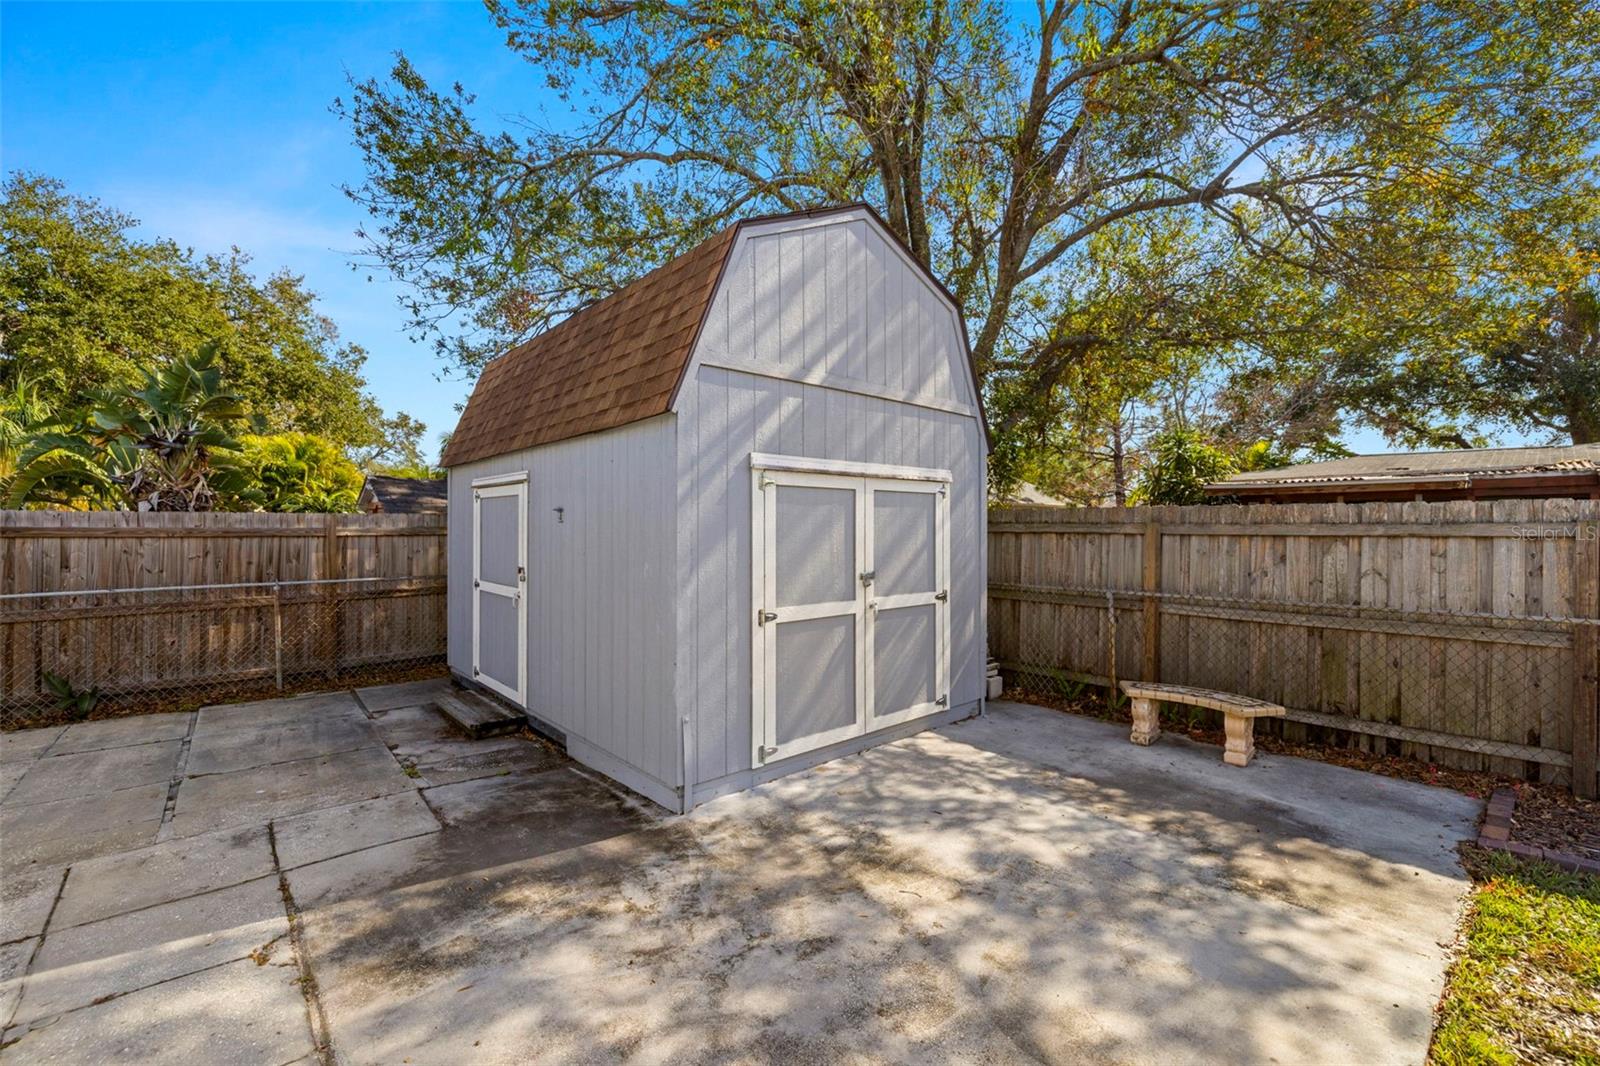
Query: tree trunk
[{"x": 1119, "y": 471}]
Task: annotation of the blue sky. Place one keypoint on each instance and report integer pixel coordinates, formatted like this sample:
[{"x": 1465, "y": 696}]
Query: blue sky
[{"x": 209, "y": 122}]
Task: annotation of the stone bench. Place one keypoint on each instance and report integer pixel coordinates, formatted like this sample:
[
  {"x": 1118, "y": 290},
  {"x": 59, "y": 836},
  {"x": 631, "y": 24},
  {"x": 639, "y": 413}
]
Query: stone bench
[{"x": 1239, "y": 714}]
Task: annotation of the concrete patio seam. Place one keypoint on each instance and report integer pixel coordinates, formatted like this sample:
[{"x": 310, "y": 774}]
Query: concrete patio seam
[
  {"x": 24, "y": 804},
  {"x": 165, "y": 832},
  {"x": 167, "y": 902},
  {"x": 364, "y": 847},
  {"x": 33, "y": 956},
  {"x": 47, "y": 1020},
  {"x": 286, "y": 762},
  {"x": 316, "y": 1015}
]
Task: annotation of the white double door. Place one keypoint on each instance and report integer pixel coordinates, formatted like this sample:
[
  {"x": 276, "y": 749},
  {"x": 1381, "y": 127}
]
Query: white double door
[{"x": 852, "y": 607}]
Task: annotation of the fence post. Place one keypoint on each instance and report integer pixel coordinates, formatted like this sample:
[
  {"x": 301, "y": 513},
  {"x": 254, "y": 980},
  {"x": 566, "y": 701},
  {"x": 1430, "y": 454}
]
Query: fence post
[
  {"x": 1586, "y": 661},
  {"x": 1152, "y": 603},
  {"x": 277, "y": 635},
  {"x": 332, "y": 570}
]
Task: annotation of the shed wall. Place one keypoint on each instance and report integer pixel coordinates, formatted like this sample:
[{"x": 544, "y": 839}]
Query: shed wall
[
  {"x": 821, "y": 342},
  {"x": 600, "y": 588}
]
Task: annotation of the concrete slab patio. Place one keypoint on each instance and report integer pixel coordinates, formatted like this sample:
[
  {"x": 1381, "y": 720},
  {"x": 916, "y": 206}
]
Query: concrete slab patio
[{"x": 1024, "y": 887}]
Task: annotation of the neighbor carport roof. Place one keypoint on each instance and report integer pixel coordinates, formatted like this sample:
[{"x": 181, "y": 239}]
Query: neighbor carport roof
[{"x": 617, "y": 361}]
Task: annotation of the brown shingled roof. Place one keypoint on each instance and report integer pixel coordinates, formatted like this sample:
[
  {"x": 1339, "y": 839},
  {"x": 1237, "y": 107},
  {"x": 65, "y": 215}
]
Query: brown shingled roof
[{"x": 615, "y": 362}]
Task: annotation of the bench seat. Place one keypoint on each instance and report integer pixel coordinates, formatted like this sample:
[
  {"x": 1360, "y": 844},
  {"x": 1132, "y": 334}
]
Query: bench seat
[{"x": 1238, "y": 714}]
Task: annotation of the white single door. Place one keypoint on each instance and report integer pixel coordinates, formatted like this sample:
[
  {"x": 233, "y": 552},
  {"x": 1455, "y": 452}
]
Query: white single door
[
  {"x": 851, "y": 599},
  {"x": 499, "y": 578}
]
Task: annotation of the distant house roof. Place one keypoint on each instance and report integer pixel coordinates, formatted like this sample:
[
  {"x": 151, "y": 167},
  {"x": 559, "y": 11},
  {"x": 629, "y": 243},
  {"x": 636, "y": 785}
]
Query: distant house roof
[
  {"x": 617, "y": 361},
  {"x": 402, "y": 495},
  {"x": 1467, "y": 473},
  {"x": 1025, "y": 492}
]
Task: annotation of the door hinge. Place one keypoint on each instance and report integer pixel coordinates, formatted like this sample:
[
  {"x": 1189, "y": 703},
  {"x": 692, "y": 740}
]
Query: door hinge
[
  {"x": 942, "y": 594},
  {"x": 763, "y": 617}
]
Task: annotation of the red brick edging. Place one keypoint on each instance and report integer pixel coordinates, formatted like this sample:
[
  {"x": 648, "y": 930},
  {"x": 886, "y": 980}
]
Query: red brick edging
[{"x": 1496, "y": 836}]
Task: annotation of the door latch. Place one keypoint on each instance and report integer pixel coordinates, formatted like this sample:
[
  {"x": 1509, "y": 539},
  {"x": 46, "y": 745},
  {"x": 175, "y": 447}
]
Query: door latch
[
  {"x": 867, "y": 576},
  {"x": 763, "y": 617},
  {"x": 767, "y": 753},
  {"x": 522, "y": 574},
  {"x": 942, "y": 595},
  {"x": 942, "y": 700}
]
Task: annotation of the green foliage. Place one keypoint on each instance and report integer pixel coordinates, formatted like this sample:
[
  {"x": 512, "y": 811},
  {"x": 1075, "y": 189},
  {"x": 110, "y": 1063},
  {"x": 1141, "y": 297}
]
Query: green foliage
[
  {"x": 68, "y": 699},
  {"x": 84, "y": 305},
  {"x": 162, "y": 446},
  {"x": 1184, "y": 461},
  {"x": 1308, "y": 212},
  {"x": 1527, "y": 984},
  {"x": 299, "y": 472},
  {"x": 23, "y": 414}
]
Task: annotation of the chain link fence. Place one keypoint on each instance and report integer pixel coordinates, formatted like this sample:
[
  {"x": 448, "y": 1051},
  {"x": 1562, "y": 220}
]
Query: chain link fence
[
  {"x": 93, "y": 653},
  {"x": 1467, "y": 690}
]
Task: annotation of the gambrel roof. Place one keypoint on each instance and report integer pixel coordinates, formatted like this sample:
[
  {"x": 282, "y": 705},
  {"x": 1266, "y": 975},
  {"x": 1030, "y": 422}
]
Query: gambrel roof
[{"x": 618, "y": 361}]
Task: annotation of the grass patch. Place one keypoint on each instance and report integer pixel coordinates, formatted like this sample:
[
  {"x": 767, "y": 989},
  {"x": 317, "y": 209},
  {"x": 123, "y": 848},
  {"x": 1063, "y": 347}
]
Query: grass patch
[{"x": 1526, "y": 988}]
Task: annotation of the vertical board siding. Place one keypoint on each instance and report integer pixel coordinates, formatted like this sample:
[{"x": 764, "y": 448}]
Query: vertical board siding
[
  {"x": 828, "y": 331},
  {"x": 1427, "y": 563},
  {"x": 836, "y": 304},
  {"x": 601, "y": 587}
]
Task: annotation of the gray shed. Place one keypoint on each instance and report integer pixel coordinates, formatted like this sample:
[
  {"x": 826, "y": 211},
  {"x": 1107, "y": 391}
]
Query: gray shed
[{"x": 728, "y": 522}]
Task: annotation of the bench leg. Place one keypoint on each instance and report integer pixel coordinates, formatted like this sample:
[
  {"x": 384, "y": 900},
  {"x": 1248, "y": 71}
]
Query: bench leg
[
  {"x": 1146, "y": 723},
  {"x": 1241, "y": 734}
]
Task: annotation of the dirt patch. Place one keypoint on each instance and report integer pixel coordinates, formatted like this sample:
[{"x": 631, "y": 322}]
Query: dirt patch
[{"x": 1555, "y": 820}]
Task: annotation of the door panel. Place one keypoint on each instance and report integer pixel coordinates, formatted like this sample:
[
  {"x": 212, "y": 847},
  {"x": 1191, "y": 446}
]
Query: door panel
[
  {"x": 816, "y": 692},
  {"x": 905, "y": 658},
  {"x": 903, "y": 541},
  {"x": 816, "y": 548},
  {"x": 498, "y": 533},
  {"x": 497, "y": 639},
  {"x": 850, "y": 579},
  {"x": 499, "y": 572}
]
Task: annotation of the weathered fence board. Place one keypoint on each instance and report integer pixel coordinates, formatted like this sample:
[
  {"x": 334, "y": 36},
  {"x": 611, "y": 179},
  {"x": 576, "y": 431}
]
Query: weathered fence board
[
  {"x": 141, "y": 603},
  {"x": 1466, "y": 633}
]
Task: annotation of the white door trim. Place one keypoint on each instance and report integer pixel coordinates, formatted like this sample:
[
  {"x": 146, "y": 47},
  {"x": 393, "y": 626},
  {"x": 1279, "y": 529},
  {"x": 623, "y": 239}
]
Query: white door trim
[
  {"x": 516, "y": 486},
  {"x": 774, "y": 471},
  {"x": 804, "y": 464},
  {"x": 941, "y": 604},
  {"x": 764, "y": 658}
]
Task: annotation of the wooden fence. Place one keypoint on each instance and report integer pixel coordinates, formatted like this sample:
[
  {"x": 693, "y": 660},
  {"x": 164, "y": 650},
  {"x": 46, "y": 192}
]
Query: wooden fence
[
  {"x": 144, "y": 604},
  {"x": 1466, "y": 633}
]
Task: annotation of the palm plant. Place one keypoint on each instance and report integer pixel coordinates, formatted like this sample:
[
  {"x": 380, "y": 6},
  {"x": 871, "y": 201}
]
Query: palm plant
[
  {"x": 23, "y": 413},
  {"x": 161, "y": 447}
]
